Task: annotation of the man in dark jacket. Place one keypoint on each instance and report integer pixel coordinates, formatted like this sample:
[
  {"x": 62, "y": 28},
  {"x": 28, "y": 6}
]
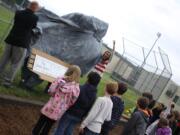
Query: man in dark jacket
[
  {"x": 81, "y": 108},
  {"x": 18, "y": 41}
]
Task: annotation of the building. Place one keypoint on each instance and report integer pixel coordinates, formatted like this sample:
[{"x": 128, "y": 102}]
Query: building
[{"x": 171, "y": 93}]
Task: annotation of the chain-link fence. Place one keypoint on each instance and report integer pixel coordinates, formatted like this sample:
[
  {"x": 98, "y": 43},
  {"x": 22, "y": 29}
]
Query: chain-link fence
[{"x": 144, "y": 75}]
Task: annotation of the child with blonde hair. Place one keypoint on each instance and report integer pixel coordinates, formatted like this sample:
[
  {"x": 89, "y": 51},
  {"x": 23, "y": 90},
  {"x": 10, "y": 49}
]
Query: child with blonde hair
[
  {"x": 100, "y": 112},
  {"x": 118, "y": 108},
  {"x": 64, "y": 92}
]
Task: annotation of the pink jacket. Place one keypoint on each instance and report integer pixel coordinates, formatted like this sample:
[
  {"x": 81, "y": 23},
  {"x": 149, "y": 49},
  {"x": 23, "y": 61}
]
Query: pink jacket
[{"x": 63, "y": 95}]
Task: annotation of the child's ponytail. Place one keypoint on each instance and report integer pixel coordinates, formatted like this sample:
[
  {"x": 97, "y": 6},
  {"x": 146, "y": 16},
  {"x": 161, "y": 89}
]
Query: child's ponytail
[{"x": 73, "y": 74}]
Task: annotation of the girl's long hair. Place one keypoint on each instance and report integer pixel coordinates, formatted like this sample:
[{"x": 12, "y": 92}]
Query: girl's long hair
[{"x": 73, "y": 74}]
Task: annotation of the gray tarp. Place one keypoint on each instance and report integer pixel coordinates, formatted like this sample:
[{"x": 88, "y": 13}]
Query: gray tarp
[{"x": 74, "y": 38}]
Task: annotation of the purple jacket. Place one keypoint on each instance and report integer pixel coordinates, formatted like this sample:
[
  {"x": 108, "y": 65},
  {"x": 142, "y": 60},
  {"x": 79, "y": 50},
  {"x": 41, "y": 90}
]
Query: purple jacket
[{"x": 164, "y": 131}]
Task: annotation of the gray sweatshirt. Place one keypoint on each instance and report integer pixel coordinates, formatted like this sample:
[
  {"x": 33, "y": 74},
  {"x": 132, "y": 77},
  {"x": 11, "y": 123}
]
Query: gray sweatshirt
[
  {"x": 100, "y": 112},
  {"x": 137, "y": 124}
]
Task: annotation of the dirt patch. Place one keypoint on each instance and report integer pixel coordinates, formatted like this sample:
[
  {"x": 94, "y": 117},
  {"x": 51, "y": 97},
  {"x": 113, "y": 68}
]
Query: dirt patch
[
  {"x": 20, "y": 119},
  {"x": 17, "y": 120}
]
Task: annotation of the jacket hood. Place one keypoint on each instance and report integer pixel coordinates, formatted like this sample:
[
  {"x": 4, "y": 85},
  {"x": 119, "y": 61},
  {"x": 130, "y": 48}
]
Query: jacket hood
[
  {"x": 145, "y": 115},
  {"x": 164, "y": 131}
]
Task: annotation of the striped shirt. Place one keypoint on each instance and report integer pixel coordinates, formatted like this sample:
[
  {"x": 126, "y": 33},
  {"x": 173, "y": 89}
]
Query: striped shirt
[{"x": 101, "y": 67}]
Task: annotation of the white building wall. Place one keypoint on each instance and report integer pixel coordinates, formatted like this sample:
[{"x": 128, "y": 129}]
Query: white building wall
[{"x": 165, "y": 99}]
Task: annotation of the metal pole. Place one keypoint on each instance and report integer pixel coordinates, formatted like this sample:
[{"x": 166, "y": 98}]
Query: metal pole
[
  {"x": 139, "y": 69},
  {"x": 164, "y": 87},
  {"x": 155, "y": 84},
  {"x": 154, "y": 72},
  {"x": 162, "y": 53},
  {"x": 158, "y": 36},
  {"x": 120, "y": 59},
  {"x": 144, "y": 83},
  {"x": 123, "y": 46}
]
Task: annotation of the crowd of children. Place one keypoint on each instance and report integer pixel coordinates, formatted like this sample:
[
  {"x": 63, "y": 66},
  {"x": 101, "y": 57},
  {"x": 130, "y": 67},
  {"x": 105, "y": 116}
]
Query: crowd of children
[
  {"x": 150, "y": 120},
  {"x": 71, "y": 104}
]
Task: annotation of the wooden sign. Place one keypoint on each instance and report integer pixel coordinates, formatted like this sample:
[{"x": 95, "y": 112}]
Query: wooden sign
[{"x": 46, "y": 66}]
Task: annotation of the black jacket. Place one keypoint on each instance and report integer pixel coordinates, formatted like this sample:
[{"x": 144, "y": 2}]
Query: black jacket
[
  {"x": 137, "y": 124},
  {"x": 156, "y": 115},
  {"x": 20, "y": 34},
  {"x": 85, "y": 101},
  {"x": 118, "y": 108}
]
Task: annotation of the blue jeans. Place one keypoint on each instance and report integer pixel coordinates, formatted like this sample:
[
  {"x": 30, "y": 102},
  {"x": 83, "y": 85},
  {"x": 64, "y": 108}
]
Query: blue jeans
[
  {"x": 88, "y": 132},
  {"x": 66, "y": 125}
]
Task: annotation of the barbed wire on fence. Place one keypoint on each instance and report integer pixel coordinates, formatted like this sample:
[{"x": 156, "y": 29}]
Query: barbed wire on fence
[{"x": 150, "y": 75}]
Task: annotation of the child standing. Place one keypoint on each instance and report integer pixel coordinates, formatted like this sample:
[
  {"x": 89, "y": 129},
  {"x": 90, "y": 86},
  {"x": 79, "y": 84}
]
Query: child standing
[
  {"x": 157, "y": 111},
  {"x": 100, "y": 67},
  {"x": 100, "y": 112},
  {"x": 85, "y": 101},
  {"x": 152, "y": 102},
  {"x": 163, "y": 127},
  {"x": 118, "y": 108},
  {"x": 64, "y": 92},
  {"x": 138, "y": 122}
]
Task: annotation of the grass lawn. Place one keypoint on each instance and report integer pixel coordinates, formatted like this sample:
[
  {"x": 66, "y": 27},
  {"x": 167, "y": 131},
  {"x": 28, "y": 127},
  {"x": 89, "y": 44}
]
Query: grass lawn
[
  {"x": 130, "y": 97},
  {"x": 5, "y": 15}
]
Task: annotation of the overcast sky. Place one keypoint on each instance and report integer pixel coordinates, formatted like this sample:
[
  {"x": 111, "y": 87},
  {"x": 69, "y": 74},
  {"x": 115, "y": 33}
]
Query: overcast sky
[{"x": 137, "y": 20}]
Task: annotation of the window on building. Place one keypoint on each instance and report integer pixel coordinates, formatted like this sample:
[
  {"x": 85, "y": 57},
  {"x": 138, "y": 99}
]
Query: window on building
[
  {"x": 171, "y": 90},
  {"x": 177, "y": 100}
]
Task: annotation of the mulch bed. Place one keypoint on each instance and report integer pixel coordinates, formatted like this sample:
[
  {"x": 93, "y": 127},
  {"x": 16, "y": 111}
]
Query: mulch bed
[{"x": 19, "y": 119}]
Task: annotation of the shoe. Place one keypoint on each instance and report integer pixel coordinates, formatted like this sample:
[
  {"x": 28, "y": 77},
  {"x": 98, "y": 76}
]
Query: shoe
[
  {"x": 29, "y": 89},
  {"x": 22, "y": 85}
]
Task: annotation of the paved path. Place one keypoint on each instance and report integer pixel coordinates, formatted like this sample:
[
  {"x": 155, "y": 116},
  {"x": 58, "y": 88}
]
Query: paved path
[{"x": 14, "y": 99}]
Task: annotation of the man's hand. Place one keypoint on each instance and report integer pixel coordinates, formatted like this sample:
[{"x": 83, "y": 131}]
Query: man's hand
[
  {"x": 114, "y": 44},
  {"x": 81, "y": 130}
]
